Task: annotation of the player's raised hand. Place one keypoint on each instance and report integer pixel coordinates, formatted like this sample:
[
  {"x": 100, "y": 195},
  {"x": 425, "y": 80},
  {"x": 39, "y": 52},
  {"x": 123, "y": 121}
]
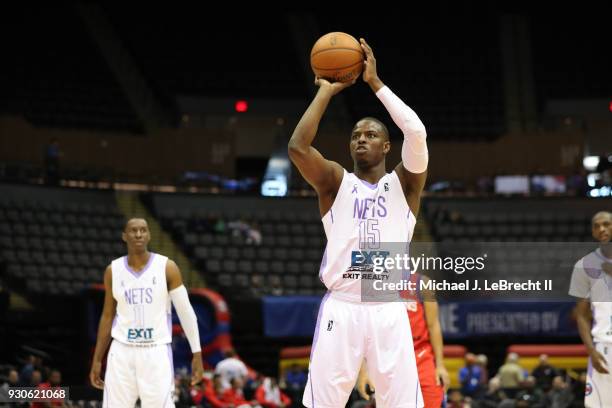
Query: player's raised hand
[
  {"x": 370, "y": 74},
  {"x": 333, "y": 87},
  {"x": 197, "y": 370},
  {"x": 94, "y": 375},
  {"x": 369, "y": 65}
]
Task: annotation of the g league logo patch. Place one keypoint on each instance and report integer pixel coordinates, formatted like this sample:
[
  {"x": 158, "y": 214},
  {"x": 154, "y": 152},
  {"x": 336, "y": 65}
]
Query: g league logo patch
[
  {"x": 588, "y": 389},
  {"x": 386, "y": 186}
]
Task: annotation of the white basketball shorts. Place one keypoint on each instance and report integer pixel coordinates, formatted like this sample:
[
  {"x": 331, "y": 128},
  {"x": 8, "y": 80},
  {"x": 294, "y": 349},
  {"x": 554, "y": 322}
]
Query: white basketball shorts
[
  {"x": 345, "y": 335},
  {"x": 134, "y": 372},
  {"x": 598, "y": 390}
]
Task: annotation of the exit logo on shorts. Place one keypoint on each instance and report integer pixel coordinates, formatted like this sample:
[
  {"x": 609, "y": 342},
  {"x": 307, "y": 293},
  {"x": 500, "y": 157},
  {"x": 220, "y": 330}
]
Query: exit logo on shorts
[
  {"x": 140, "y": 334},
  {"x": 330, "y": 325}
]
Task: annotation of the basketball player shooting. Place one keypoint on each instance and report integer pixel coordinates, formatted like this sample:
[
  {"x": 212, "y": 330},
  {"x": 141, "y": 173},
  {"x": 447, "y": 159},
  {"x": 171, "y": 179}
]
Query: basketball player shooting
[
  {"x": 368, "y": 204},
  {"x": 137, "y": 317}
]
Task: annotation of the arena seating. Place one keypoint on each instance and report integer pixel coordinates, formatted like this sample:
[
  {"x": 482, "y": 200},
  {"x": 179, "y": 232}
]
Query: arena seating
[
  {"x": 286, "y": 262},
  {"x": 511, "y": 220},
  {"x": 56, "y": 241}
]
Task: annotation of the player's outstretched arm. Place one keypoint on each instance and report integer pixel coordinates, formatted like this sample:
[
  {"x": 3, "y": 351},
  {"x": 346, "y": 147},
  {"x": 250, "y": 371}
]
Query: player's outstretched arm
[
  {"x": 189, "y": 322},
  {"x": 104, "y": 330},
  {"x": 412, "y": 171},
  {"x": 323, "y": 175}
]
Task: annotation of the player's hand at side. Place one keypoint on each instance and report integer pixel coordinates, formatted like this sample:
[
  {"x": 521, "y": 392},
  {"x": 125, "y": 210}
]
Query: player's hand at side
[
  {"x": 197, "y": 370},
  {"x": 607, "y": 267},
  {"x": 362, "y": 381},
  {"x": 442, "y": 377},
  {"x": 599, "y": 362},
  {"x": 333, "y": 87},
  {"x": 94, "y": 376}
]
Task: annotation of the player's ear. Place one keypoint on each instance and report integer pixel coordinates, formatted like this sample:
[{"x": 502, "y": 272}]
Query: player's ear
[
  {"x": 123, "y": 237},
  {"x": 387, "y": 147}
]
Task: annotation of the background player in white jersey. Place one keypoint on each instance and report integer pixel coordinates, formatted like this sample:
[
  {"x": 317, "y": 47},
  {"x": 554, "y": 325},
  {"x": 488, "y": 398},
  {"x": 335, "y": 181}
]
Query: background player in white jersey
[
  {"x": 137, "y": 315},
  {"x": 373, "y": 206},
  {"x": 592, "y": 283}
]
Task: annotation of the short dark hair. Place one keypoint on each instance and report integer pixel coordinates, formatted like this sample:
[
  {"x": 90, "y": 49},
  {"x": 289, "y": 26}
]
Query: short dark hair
[
  {"x": 127, "y": 221},
  {"x": 379, "y": 122}
]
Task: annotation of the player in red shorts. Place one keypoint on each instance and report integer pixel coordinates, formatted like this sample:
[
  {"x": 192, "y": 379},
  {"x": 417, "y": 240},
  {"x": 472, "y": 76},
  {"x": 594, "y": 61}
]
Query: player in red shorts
[{"x": 428, "y": 345}]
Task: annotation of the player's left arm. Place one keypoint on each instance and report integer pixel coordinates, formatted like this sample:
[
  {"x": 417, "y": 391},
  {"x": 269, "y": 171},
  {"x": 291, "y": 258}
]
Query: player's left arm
[
  {"x": 189, "y": 322},
  {"x": 435, "y": 336},
  {"x": 412, "y": 170}
]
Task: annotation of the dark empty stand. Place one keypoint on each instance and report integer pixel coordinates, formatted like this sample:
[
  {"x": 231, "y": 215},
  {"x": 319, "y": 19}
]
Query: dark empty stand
[
  {"x": 453, "y": 81},
  {"x": 55, "y": 75},
  {"x": 57, "y": 241},
  {"x": 524, "y": 238},
  {"x": 571, "y": 63},
  {"x": 286, "y": 262},
  {"x": 184, "y": 53}
]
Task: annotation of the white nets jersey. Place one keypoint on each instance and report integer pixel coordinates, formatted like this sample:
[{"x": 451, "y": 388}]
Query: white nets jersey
[
  {"x": 144, "y": 314},
  {"x": 590, "y": 281},
  {"x": 362, "y": 216}
]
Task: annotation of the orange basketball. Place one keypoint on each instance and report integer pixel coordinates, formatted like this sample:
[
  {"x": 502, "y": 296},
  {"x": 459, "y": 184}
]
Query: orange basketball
[{"x": 337, "y": 57}]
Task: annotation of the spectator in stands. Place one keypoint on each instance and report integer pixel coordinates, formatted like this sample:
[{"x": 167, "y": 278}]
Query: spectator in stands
[
  {"x": 269, "y": 395},
  {"x": 494, "y": 395},
  {"x": 482, "y": 361},
  {"x": 35, "y": 379},
  {"x": 32, "y": 363},
  {"x": 210, "y": 393},
  {"x": 457, "y": 400},
  {"x": 55, "y": 380},
  {"x": 220, "y": 226},
  {"x": 295, "y": 377},
  {"x": 577, "y": 183},
  {"x": 52, "y": 162},
  {"x": 276, "y": 287},
  {"x": 229, "y": 368},
  {"x": 531, "y": 394},
  {"x": 253, "y": 235},
  {"x": 256, "y": 288},
  {"x": 469, "y": 376},
  {"x": 235, "y": 395},
  {"x": 560, "y": 396},
  {"x": 511, "y": 375},
  {"x": 182, "y": 393},
  {"x": 544, "y": 373},
  {"x": 11, "y": 381},
  {"x": 239, "y": 228}
]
